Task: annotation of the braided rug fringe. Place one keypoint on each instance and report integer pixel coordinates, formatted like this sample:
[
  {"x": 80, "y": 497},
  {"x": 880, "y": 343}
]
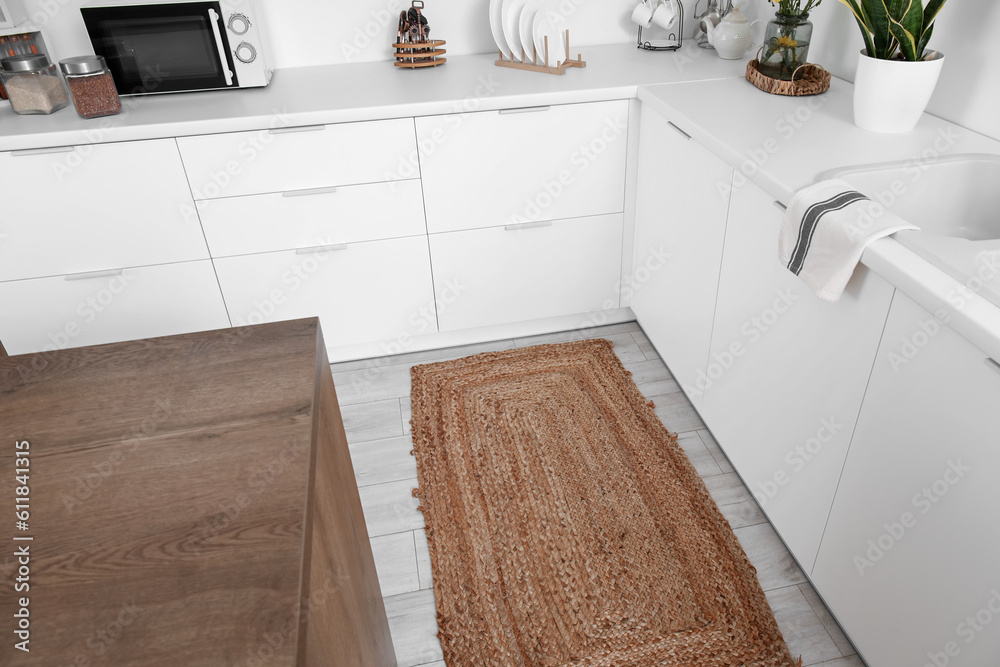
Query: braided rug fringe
[{"x": 567, "y": 527}]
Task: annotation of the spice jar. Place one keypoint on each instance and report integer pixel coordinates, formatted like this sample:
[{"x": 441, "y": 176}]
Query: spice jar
[
  {"x": 91, "y": 86},
  {"x": 33, "y": 84}
]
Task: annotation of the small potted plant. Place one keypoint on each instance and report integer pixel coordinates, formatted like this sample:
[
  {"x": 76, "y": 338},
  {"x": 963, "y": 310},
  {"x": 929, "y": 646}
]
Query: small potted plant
[
  {"x": 896, "y": 72},
  {"x": 786, "y": 40}
]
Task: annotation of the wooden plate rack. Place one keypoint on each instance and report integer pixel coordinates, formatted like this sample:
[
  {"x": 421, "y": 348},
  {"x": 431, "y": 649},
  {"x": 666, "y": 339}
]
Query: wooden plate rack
[
  {"x": 412, "y": 55},
  {"x": 535, "y": 66}
]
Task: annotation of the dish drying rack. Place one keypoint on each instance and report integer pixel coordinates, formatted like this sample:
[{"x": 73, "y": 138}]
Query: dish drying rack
[
  {"x": 535, "y": 66},
  {"x": 674, "y": 39}
]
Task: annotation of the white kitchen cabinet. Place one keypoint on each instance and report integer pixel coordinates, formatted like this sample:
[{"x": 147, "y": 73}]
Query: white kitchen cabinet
[
  {"x": 493, "y": 168},
  {"x": 296, "y": 158},
  {"x": 527, "y": 272},
  {"x": 303, "y": 219},
  {"x": 681, "y": 205},
  {"x": 95, "y": 207},
  {"x": 110, "y": 306},
  {"x": 362, "y": 292},
  {"x": 909, "y": 558},
  {"x": 786, "y": 373}
]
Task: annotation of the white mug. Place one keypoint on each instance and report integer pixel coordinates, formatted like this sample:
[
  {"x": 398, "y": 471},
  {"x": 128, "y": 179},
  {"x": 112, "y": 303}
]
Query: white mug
[
  {"x": 665, "y": 14},
  {"x": 642, "y": 15}
]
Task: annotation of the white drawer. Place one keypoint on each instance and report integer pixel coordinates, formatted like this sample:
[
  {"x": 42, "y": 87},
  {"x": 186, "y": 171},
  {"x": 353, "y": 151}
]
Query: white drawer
[
  {"x": 493, "y": 168},
  {"x": 298, "y": 158},
  {"x": 95, "y": 207},
  {"x": 548, "y": 269},
  {"x": 56, "y": 313},
  {"x": 302, "y": 219},
  {"x": 362, "y": 293}
]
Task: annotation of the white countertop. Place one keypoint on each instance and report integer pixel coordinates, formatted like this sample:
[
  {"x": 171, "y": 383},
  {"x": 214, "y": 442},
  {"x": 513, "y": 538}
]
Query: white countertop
[
  {"x": 369, "y": 91},
  {"x": 784, "y": 143}
]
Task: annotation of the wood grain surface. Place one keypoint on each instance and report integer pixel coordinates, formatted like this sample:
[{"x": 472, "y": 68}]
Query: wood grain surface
[
  {"x": 176, "y": 514},
  {"x": 3, "y": 352}
]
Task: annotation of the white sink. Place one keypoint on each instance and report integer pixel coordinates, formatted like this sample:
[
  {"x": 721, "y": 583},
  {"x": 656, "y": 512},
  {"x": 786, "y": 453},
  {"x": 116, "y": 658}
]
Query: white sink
[
  {"x": 956, "y": 196},
  {"x": 956, "y": 203}
]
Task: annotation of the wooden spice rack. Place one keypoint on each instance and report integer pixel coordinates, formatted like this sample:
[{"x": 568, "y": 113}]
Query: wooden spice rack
[
  {"x": 412, "y": 55},
  {"x": 535, "y": 66}
]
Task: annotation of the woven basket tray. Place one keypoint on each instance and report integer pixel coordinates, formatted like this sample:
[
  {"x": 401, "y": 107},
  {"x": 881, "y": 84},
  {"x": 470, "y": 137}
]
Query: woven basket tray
[{"x": 809, "y": 80}]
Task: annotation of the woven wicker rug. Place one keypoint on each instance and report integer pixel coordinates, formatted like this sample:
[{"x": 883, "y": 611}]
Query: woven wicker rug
[{"x": 567, "y": 527}]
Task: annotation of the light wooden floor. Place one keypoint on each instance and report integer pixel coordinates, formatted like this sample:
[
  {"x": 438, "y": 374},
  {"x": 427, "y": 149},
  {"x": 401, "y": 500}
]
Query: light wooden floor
[{"x": 374, "y": 397}]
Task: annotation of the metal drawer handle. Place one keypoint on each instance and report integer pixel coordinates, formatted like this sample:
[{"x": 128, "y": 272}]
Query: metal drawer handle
[
  {"x": 528, "y": 225},
  {"x": 686, "y": 135},
  {"x": 778, "y": 205},
  {"x": 301, "y": 128},
  {"x": 94, "y": 274},
  {"x": 43, "y": 151},
  {"x": 308, "y": 192},
  {"x": 524, "y": 110},
  {"x": 321, "y": 248},
  {"x": 992, "y": 363}
]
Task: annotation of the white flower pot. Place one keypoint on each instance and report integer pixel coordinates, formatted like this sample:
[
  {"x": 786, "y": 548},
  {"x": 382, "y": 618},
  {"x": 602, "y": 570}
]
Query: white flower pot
[{"x": 890, "y": 95}]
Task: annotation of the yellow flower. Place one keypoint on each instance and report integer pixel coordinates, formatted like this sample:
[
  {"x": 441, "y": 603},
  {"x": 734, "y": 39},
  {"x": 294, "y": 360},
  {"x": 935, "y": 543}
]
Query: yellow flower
[{"x": 786, "y": 42}]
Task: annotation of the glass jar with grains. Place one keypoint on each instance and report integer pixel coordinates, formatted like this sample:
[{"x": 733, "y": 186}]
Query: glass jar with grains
[
  {"x": 33, "y": 84},
  {"x": 91, "y": 86}
]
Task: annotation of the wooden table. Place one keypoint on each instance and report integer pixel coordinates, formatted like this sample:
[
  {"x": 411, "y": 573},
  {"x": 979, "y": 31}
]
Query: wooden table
[{"x": 192, "y": 502}]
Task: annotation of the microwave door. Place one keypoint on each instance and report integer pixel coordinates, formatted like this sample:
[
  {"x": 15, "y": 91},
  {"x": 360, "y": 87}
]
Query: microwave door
[{"x": 164, "y": 48}]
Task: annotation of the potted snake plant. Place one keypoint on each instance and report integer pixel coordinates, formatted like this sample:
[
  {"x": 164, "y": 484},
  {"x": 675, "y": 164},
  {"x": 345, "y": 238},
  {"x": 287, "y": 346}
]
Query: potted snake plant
[{"x": 896, "y": 72}]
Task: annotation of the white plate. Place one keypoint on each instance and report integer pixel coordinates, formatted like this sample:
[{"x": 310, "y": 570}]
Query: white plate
[
  {"x": 525, "y": 27},
  {"x": 549, "y": 22},
  {"x": 511, "y": 25},
  {"x": 496, "y": 26}
]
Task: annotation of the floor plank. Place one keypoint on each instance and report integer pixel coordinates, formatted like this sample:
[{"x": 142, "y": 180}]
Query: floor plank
[
  {"x": 395, "y": 563},
  {"x": 380, "y": 461},
  {"x": 391, "y": 508},
  {"x": 413, "y": 625},
  {"x": 372, "y": 421},
  {"x": 801, "y": 628}
]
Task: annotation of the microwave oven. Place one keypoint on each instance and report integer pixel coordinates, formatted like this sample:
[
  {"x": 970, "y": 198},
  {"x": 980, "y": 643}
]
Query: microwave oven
[{"x": 175, "y": 46}]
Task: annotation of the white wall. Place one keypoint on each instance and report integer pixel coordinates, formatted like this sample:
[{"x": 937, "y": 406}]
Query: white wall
[
  {"x": 968, "y": 92},
  {"x": 305, "y": 32}
]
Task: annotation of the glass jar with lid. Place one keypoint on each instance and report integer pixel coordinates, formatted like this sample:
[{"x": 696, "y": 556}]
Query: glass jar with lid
[
  {"x": 33, "y": 84},
  {"x": 91, "y": 86}
]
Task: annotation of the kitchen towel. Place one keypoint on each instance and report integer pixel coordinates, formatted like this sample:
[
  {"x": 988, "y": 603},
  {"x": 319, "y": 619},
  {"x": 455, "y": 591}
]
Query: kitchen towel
[{"x": 826, "y": 229}]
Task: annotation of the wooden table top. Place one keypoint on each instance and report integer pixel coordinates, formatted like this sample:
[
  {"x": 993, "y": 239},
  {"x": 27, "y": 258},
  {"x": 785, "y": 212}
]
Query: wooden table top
[{"x": 168, "y": 489}]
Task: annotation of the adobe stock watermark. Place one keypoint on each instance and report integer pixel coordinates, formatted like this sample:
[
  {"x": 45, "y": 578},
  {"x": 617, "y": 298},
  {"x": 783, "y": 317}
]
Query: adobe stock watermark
[
  {"x": 261, "y": 478},
  {"x": 408, "y": 166},
  {"x": 752, "y": 331},
  {"x": 910, "y": 345},
  {"x": 422, "y": 321},
  {"x": 785, "y": 128},
  {"x": 89, "y": 481},
  {"x": 796, "y": 459},
  {"x": 580, "y": 161},
  {"x": 967, "y": 630},
  {"x": 923, "y": 502}
]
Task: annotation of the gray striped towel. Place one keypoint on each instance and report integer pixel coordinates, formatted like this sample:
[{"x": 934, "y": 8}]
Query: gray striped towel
[{"x": 826, "y": 229}]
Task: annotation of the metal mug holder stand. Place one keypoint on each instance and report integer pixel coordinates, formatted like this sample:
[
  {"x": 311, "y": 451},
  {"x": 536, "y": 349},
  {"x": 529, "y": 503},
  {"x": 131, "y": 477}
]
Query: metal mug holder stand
[{"x": 673, "y": 41}]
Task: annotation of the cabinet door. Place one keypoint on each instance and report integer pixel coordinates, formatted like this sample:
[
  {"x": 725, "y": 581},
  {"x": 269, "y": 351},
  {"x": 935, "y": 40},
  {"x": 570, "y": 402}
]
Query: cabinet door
[
  {"x": 362, "y": 292},
  {"x": 513, "y": 166},
  {"x": 681, "y": 206},
  {"x": 527, "y": 272},
  {"x": 296, "y": 158},
  {"x": 96, "y": 207},
  {"x": 909, "y": 560},
  {"x": 786, "y": 374},
  {"x": 110, "y": 306},
  {"x": 286, "y": 221}
]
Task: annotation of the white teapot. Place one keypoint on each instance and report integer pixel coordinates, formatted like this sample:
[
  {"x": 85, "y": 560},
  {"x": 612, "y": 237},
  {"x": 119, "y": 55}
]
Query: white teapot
[{"x": 733, "y": 37}]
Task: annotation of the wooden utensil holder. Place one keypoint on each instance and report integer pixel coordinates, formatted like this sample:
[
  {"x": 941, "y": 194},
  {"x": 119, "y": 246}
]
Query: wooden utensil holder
[
  {"x": 412, "y": 55},
  {"x": 535, "y": 66}
]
